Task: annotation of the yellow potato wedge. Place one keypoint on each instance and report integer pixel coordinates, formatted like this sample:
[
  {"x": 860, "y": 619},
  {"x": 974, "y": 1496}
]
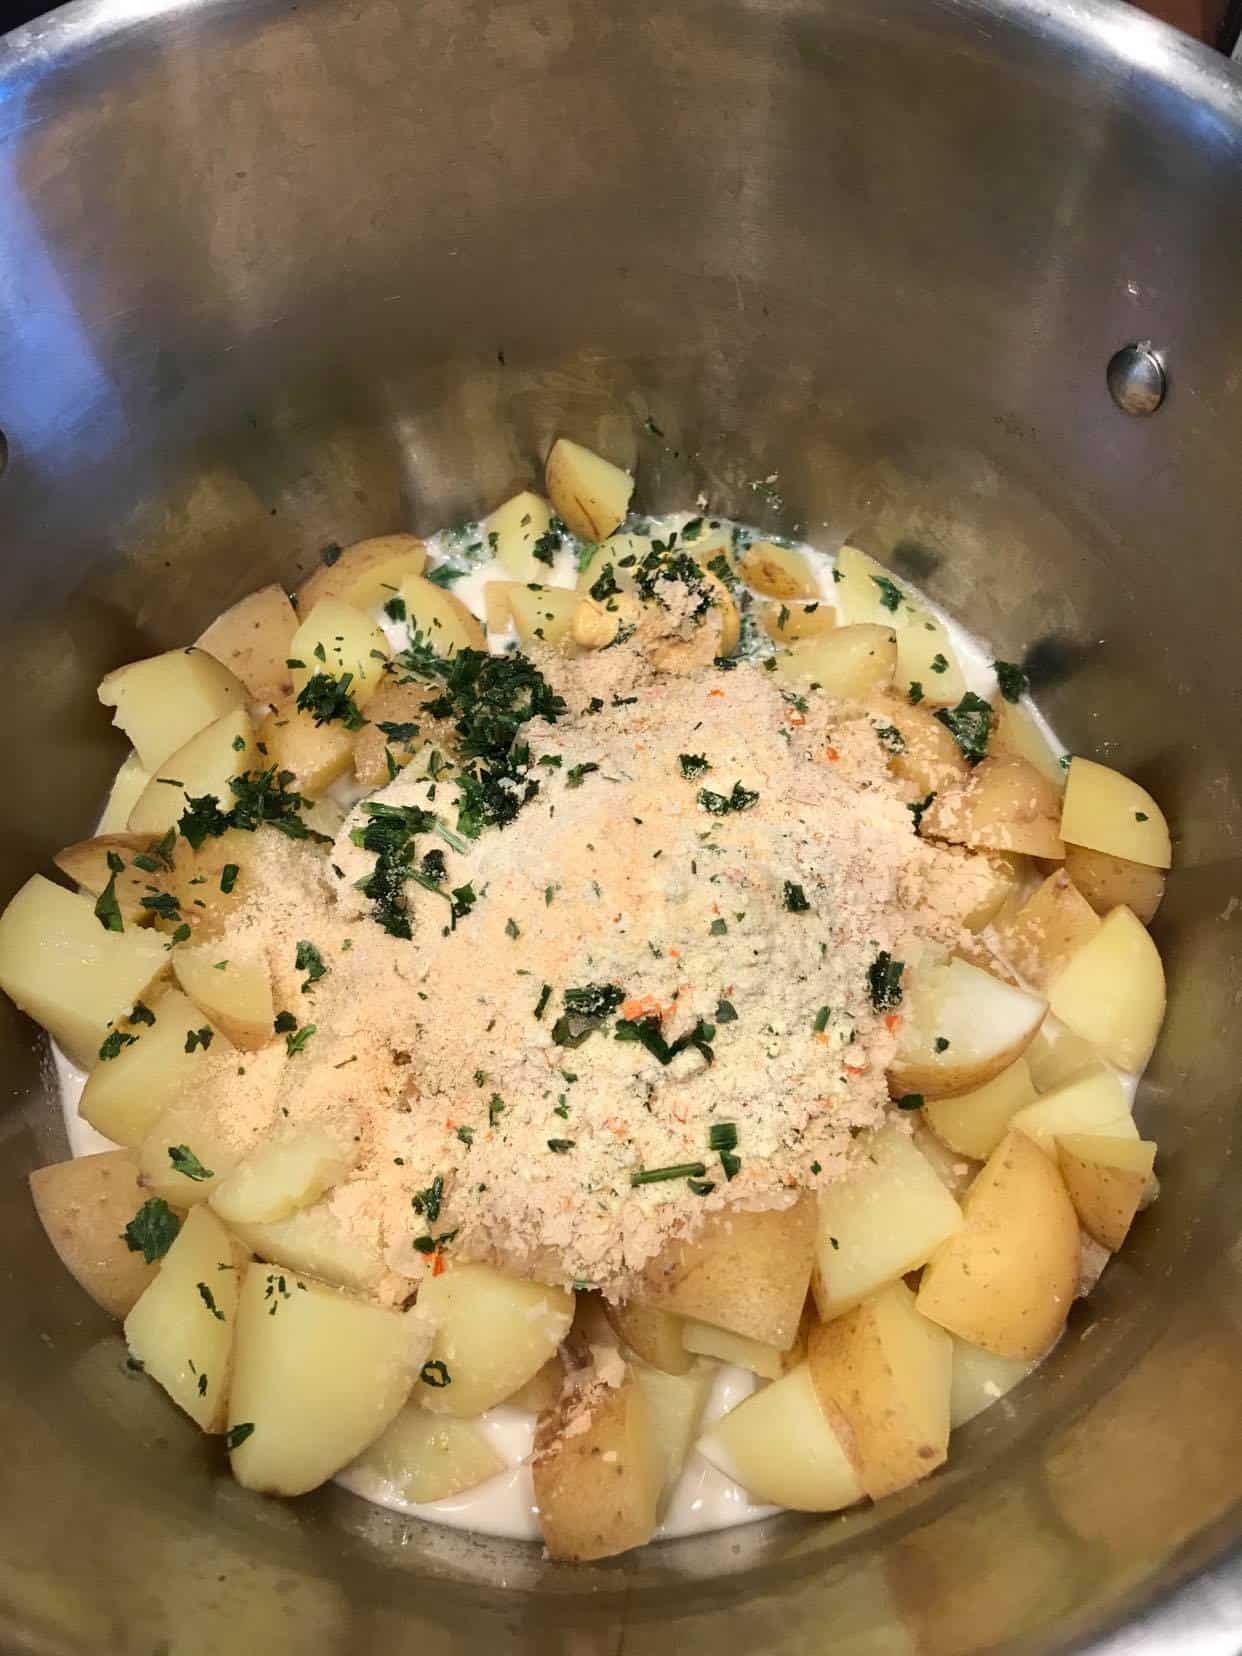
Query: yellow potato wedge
[
  {"x": 927, "y": 756},
  {"x": 316, "y": 754},
  {"x": 204, "y": 765},
  {"x": 1112, "y": 991},
  {"x": 981, "y": 1378},
  {"x": 541, "y": 614},
  {"x": 1007, "y": 1279},
  {"x": 1056, "y": 1056},
  {"x": 210, "y": 883},
  {"x": 588, "y": 493},
  {"x": 791, "y": 623},
  {"x": 493, "y": 1332},
  {"x": 339, "y": 641},
  {"x": 540, "y": 1392},
  {"x": 62, "y": 968},
  {"x": 746, "y": 1272},
  {"x": 165, "y": 700},
  {"x": 186, "y": 1154},
  {"x": 1108, "y": 1180},
  {"x": 518, "y": 526},
  {"x": 440, "y": 619},
  {"x": 717, "y": 1343},
  {"x": 399, "y": 704},
  {"x": 782, "y": 1449},
  {"x": 1000, "y": 892},
  {"x": 865, "y": 591},
  {"x": 1016, "y": 731},
  {"x": 960, "y": 1026},
  {"x": 252, "y": 639},
  {"x": 620, "y": 553},
  {"x": 87, "y": 864},
  {"x": 652, "y": 1334},
  {"x": 314, "y": 1242},
  {"x": 233, "y": 993},
  {"x": 425, "y": 1457},
  {"x": 885, "y": 1371},
  {"x": 125, "y": 1096},
  {"x": 1041, "y": 937},
  {"x": 1115, "y": 882},
  {"x": 597, "y": 1471},
  {"x": 886, "y": 1218},
  {"x": 851, "y": 662},
  {"x": 1004, "y": 805},
  {"x": 975, "y": 1122},
  {"x": 284, "y": 1173},
  {"x": 181, "y": 1329},
  {"x": 1106, "y": 811},
  {"x": 365, "y": 574},
  {"x": 926, "y": 657},
  {"x": 1093, "y": 1102},
  {"x": 675, "y": 1403},
  {"x": 84, "y": 1206},
  {"x": 317, "y": 1377},
  {"x": 128, "y": 783},
  {"x": 777, "y": 571}
]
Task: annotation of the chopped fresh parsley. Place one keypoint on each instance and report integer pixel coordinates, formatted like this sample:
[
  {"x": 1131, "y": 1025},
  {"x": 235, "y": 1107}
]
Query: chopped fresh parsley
[
  {"x": 107, "y": 908},
  {"x": 309, "y": 960},
  {"x": 541, "y": 1005},
  {"x": 237, "y": 1435},
  {"x": 939, "y": 664},
  {"x": 152, "y": 1230},
  {"x": 821, "y": 1019},
  {"x": 141, "y": 1013},
  {"x": 435, "y": 1374},
  {"x": 726, "y": 1012},
  {"x": 228, "y": 877},
  {"x": 284, "y": 1022},
  {"x": 941, "y": 1044},
  {"x": 605, "y": 586},
  {"x": 718, "y": 928},
  {"x": 559, "y": 1147},
  {"x": 327, "y": 699},
  {"x": 722, "y": 1135},
  {"x": 884, "y": 981},
  {"x": 910, "y": 1101},
  {"x": 915, "y": 693},
  {"x": 918, "y": 807},
  {"x": 163, "y": 904},
  {"x": 693, "y": 764},
  {"x": 890, "y": 592},
  {"x": 969, "y": 724},
  {"x": 113, "y": 1043},
  {"x": 199, "y": 1038},
  {"x": 795, "y": 898},
  {"x": 466, "y": 1135},
  {"x": 1011, "y": 680},
  {"x": 648, "y": 1033},
  {"x": 741, "y": 799},
  {"x": 185, "y": 1162},
  {"x": 1140, "y": 816},
  {"x": 495, "y": 1109},
  {"x": 890, "y": 738},
  {"x": 394, "y": 608},
  {"x": 428, "y": 1202},
  {"x": 443, "y": 575},
  {"x": 594, "y": 1000},
  {"x": 575, "y": 774},
  {"x": 296, "y": 1043},
  {"x": 512, "y": 929}
]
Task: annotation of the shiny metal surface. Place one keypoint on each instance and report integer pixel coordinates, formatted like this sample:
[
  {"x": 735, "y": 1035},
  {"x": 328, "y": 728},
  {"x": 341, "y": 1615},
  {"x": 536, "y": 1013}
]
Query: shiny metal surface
[
  {"x": 1136, "y": 378},
  {"x": 273, "y": 274}
]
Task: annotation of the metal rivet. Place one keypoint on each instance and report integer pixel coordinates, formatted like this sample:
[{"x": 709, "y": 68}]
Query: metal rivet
[{"x": 1137, "y": 381}]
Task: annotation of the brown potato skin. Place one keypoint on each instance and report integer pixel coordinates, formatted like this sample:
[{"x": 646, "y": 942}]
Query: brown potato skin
[
  {"x": 596, "y": 1485},
  {"x": 84, "y": 1206},
  {"x": 252, "y": 639},
  {"x": 1111, "y": 882}
]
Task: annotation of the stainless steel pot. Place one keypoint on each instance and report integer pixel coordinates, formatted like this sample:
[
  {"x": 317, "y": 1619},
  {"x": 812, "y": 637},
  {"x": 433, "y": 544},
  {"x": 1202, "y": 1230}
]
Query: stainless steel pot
[{"x": 276, "y": 273}]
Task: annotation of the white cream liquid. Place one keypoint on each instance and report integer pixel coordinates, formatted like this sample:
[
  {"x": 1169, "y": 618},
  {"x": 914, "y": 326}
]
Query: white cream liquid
[{"x": 703, "y": 1498}]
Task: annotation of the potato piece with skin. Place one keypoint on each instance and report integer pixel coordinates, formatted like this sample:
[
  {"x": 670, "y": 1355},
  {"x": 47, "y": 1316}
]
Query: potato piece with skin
[
  {"x": 425, "y": 1457},
  {"x": 87, "y": 864},
  {"x": 850, "y": 663},
  {"x": 440, "y": 619},
  {"x": 1003, "y": 882},
  {"x": 1107, "y": 1179},
  {"x": 210, "y": 883},
  {"x": 652, "y": 1334},
  {"x": 885, "y": 1371},
  {"x": 540, "y": 1392},
  {"x": 621, "y": 553},
  {"x": 746, "y": 1272},
  {"x": 926, "y": 657},
  {"x": 1106, "y": 811},
  {"x": 316, "y": 754},
  {"x": 128, "y": 783},
  {"x": 1004, "y": 805},
  {"x": 252, "y": 638},
  {"x": 284, "y": 1173},
  {"x": 339, "y": 641},
  {"x": 886, "y": 1218},
  {"x": 205, "y": 765},
  {"x": 84, "y": 1206},
  {"x": 1094, "y": 1102},
  {"x": 399, "y": 703},
  {"x": 125, "y": 1096},
  {"x": 974, "y": 1123},
  {"x": 1006, "y": 1281},
  {"x": 1048, "y": 930},
  {"x": 588, "y": 493},
  {"x": 777, "y": 571},
  {"x": 1057, "y": 1055},
  {"x": 349, "y": 1365},
  {"x": 182, "y": 1328},
  {"x": 65, "y": 970},
  {"x": 233, "y": 994},
  {"x": 960, "y": 1026},
  {"x": 541, "y": 614},
  {"x": 1114, "y": 882},
  {"x": 929, "y": 759},
  {"x": 782, "y": 1449},
  {"x": 766, "y": 1360},
  {"x": 595, "y": 625},
  {"x": 365, "y": 574},
  {"x": 1015, "y": 730},
  {"x": 314, "y": 1241},
  {"x": 518, "y": 526},
  {"x": 165, "y": 700},
  {"x": 981, "y": 1378},
  {"x": 1112, "y": 991},
  {"x": 791, "y": 623},
  {"x": 166, "y": 1170},
  {"x": 675, "y": 1403},
  {"x": 493, "y": 1332},
  {"x": 597, "y": 1471}
]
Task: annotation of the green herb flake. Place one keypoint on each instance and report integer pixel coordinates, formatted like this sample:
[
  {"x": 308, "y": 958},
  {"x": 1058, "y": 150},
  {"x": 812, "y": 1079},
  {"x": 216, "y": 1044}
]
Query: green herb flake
[
  {"x": 969, "y": 724},
  {"x": 884, "y": 981},
  {"x": 910, "y": 1101},
  {"x": 1011, "y": 680},
  {"x": 740, "y": 799},
  {"x": 718, "y": 928},
  {"x": 296, "y": 1043},
  {"x": 939, "y": 664},
  {"x": 209, "y": 1300},
  {"x": 112, "y": 1044},
  {"x": 512, "y": 929},
  {"x": 435, "y": 1374},
  {"x": 495, "y": 1109},
  {"x": 228, "y": 877},
  {"x": 915, "y": 693},
  {"x": 541, "y": 1005},
  {"x": 141, "y": 1013},
  {"x": 890, "y": 592},
  {"x": 693, "y": 764},
  {"x": 195, "y": 1038},
  {"x": 664, "y": 1175},
  {"x": 794, "y": 898},
  {"x": 152, "y": 1230},
  {"x": 821, "y": 1019},
  {"x": 185, "y": 1162},
  {"x": 560, "y": 1147},
  {"x": 309, "y": 960},
  {"x": 107, "y": 908},
  {"x": 237, "y": 1435},
  {"x": 726, "y": 1012},
  {"x": 941, "y": 1044}
]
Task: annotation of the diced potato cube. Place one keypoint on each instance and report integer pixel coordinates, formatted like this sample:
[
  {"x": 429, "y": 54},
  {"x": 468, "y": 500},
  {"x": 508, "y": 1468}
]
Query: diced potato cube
[
  {"x": 1108, "y": 1180},
  {"x": 621, "y": 553},
  {"x": 212, "y": 882},
  {"x": 1112, "y": 991},
  {"x": 1016, "y": 730},
  {"x": 588, "y": 493},
  {"x": 163, "y": 701},
  {"x": 426, "y": 1457},
  {"x": 182, "y": 1328},
  {"x": 64, "y": 969},
  {"x": 975, "y": 1122},
  {"x": 128, "y": 783},
  {"x": 675, "y": 1403},
  {"x": 283, "y": 1174},
  {"x": 652, "y": 1334},
  {"x": 518, "y": 526},
  {"x": 440, "y": 619},
  {"x": 314, "y": 1241},
  {"x": 252, "y": 639},
  {"x": 886, "y": 1218},
  {"x": 204, "y": 765},
  {"x": 493, "y": 1332},
  {"x": 791, "y": 623},
  {"x": 1048, "y": 930},
  {"x": 87, "y": 864},
  {"x": 1005, "y": 804},
  {"x": 186, "y": 1153},
  {"x": 316, "y": 754},
  {"x": 981, "y": 1378},
  {"x": 541, "y": 614},
  {"x": 1114, "y": 882},
  {"x": 851, "y": 662},
  {"x": 233, "y": 993},
  {"x": 724, "y": 1347},
  {"x": 960, "y": 1026},
  {"x": 84, "y": 1206},
  {"x": 1057, "y": 1055},
  {"x": 125, "y": 1096},
  {"x": 1091, "y": 1103},
  {"x": 317, "y": 1377},
  {"x": 365, "y": 574},
  {"x": 926, "y": 657},
  {"x": 597, "y": 1472},
  {"x": 1105, "y": 811},
  {"x": 780, "y": 1446},
  {"x": 777, "y": 571},
  {"x": 335, "y": 639}
]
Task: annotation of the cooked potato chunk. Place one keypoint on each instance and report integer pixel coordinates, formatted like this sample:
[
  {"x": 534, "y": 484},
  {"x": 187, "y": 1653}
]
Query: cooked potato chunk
[
  {"x": 597, "y": 1471},
  {"x": 1016, "y": 731},
  {"x": 340, "y": 642},
  {"x": 981, "y": 1378},
  {"x": 252, "y": 639},
  {"x": 777, "y": 571},
  {"x": 427, "y": 1457},
  {"x": 233, "y": 994},
  {"x": 1057, "y": 1055},
  {"x": 129, "y": 782},
  {"x": 366, "y": 574},
  {"x": 651, "y": 1334},
  {"x": 317, "y": 1376},
  {"x": 518, "y": 526},
  {"x": 718, "y": 1343},
  {"x": 210, "y": 883},
  {"x": 975, "y": 1122},
  {"x": 493, "y": 1332},
  {"x": 186, "y": 1153},
  {"x": 1105, "y": 811},
  {"x": 314, "y": 1241},
  {"x": 87, "y": 864},
  {"x": 1004, "y": 805},
  {"x": 885, "y": 1371},
  {"x": 888, "y": 1217},
  {"x": 84, "y": 1206},
  {"x": 620, "y": 553},
  {"x": 203, "y": 766},
  {"x": 999, "y": 896},
  {"x": 440, "y": 619},
  {"x": 747, "y": 1272},
  {"x": 925, "y": 656},
  {"x": 675, "y": 1403},
  {"x": 791, "y": 623},
  {"x": 851, "y": 662},
  {"x": 401, "y": 705},
  {"x": 589, "y": 494},
  {"x": 181, "y": 1330},
  {"x": 1093, "y": 1102},
  {"x": 316, "y": 754},
  {"x": 541, "y": 614},
  {"x": 1007, "y": 1279},
  {"x": 64, "y": 969},
  {"x": 865, "y": 591},
  {"x": 1048, "y": 930},
  {"x": 1107, "y": 1179},
  {"x": 125, "y": 1096},
  {"x": 960, "y": 1026},
  {"x": 1114, "y": 882},
  {"x": 540, "y": 1392},
  {"x": 780, "y": 1446},
  {"x": 163, "y": 701},
  {"x": 282, "y": 1174},
  {"x": 1112, "y": 991},
  {"x": 927, "y": 756}
]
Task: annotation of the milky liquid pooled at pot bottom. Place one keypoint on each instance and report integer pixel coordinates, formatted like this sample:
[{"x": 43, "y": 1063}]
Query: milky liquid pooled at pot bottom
[{"x": 703, "y": 1499}]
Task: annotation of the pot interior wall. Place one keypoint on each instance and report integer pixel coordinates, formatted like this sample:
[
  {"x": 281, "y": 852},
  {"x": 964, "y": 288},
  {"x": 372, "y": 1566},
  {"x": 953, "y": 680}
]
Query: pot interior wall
[{"x": 280, "y": 275}]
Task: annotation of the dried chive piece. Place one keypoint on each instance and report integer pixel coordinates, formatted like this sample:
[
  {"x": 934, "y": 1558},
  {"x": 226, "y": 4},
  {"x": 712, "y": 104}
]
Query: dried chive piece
[
  {"x": 910, "y": 1101},
  {"x": 1011, "y": 680},
  {"x": 795, "y": 898},
  {"x": 184, "y": 1161},
  {"x": 545, "y": 995},
  {"x": 664, "y": 1175},
  {"x": 884, "y": 981}
]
